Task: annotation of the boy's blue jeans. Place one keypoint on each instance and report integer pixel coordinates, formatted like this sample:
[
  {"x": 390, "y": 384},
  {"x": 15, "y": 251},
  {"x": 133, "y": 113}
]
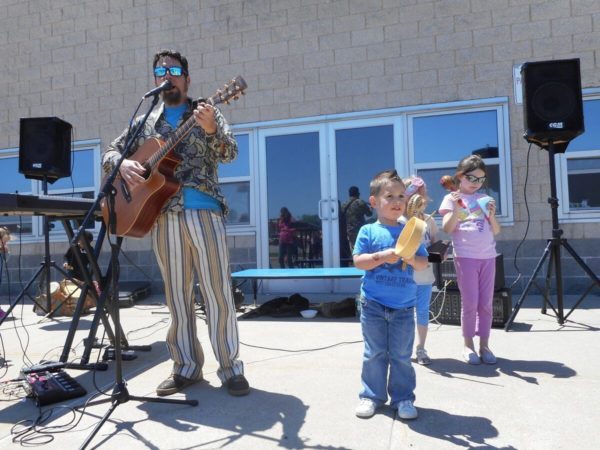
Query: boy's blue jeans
[{"x": 389, "y": 335}]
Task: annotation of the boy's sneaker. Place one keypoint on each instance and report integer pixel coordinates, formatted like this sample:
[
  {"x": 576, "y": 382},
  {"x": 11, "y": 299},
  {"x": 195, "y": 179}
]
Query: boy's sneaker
[
  {"x": 366, "y": 408},
  {"x": 422, "y": 357},
  {"x": 406, "y": 410}
]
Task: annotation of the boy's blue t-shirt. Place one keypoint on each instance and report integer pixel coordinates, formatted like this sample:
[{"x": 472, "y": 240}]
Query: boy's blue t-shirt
[{"x": 387, "y": 284}]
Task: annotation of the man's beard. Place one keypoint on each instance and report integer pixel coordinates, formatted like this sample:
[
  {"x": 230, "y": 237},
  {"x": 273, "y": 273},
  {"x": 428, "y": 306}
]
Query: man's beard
[{"x": 172, "y": 96}]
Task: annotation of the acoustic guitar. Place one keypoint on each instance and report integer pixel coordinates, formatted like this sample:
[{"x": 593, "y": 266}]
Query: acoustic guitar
[{"x": 137, "y": 207}]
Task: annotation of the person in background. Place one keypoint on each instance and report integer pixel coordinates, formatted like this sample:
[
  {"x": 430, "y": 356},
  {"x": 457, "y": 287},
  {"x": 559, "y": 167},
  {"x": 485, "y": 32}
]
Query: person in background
[
  {"x": 354, "y": 211},
  {"x": 287, "y": 238},
  {"x": 470, "y": 218},
  {"x": 5, "y": 238},
  {"x": 387, "y": 295},
  {"x": 417, "y": 200},
  {"x": 189, "y": 236}
]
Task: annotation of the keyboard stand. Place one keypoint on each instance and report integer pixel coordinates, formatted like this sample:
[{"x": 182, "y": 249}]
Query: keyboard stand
[{"x": 101, "y": 313}]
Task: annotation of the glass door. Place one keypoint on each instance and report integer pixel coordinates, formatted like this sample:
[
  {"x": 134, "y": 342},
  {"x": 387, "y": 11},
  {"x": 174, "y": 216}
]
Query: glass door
[
  {"x": 296, "y": 221},
  {"x": 360, "y": 153},
  {"x": 308, "y": 173}
]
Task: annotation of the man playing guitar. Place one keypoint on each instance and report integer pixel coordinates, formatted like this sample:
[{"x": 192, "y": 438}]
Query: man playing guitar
[{"x": 188, "y": 236}]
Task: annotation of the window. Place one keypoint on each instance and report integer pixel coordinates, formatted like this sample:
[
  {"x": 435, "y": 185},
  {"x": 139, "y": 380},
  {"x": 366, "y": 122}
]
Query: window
[
  {"x": 12, "y": 181},
  {"x": 578, "y": 170},
  {"x": 84, "y": 182},
  {"x": 426, "y": 140},
  {"x": 438, "y": 141},
  {"x": 234, "y": 179},
  {"x": 372, "y": 145}
]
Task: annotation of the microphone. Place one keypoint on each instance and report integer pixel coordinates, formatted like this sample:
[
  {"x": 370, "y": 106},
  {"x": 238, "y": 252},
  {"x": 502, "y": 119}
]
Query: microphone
[{"x": 165, "y": 85}]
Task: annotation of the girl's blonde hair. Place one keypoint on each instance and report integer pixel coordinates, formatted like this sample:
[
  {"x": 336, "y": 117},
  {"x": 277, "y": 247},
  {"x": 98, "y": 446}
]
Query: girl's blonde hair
[{"x": 417, "y": 197}]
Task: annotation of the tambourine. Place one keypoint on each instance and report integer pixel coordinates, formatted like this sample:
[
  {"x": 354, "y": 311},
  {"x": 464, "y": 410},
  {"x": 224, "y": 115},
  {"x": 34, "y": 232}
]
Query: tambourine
[{"x": 410, "y": 238}]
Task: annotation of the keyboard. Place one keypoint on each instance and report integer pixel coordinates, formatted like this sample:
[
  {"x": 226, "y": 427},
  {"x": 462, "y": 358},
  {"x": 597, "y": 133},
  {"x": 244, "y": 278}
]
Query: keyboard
[{"x": 48, "y": 205}]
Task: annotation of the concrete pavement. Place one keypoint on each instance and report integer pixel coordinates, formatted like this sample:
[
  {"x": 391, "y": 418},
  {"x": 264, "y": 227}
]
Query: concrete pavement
[{"x": 544, "y": 393}]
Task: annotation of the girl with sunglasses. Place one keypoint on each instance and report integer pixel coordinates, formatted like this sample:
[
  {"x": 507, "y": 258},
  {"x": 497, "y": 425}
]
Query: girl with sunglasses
[{"x": 470, "y": 218}]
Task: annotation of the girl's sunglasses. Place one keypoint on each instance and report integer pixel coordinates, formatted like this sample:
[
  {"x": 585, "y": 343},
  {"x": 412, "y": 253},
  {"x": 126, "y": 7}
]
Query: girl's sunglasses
[{"x": 474, "y": 179}]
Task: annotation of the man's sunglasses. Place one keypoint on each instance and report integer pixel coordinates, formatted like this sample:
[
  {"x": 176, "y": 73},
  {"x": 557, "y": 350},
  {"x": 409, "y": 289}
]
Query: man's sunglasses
[
  {"x": 174, "y": 71},
  {"x": 474, "y": 179}
]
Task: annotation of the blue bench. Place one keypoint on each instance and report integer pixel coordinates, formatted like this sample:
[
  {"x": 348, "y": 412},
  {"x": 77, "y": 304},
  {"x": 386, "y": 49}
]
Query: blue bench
[{"x": 282, "y": 274}]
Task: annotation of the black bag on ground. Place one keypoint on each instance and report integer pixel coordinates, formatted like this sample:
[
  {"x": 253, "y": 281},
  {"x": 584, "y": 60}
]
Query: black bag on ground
[
  {"x": 343, "y": 308},
  {"x": 280, "y": 307}
]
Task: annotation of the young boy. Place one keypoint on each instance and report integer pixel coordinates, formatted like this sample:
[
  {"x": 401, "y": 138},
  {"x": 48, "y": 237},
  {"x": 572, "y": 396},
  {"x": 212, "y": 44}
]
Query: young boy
[{"x": 388, "y": 296}]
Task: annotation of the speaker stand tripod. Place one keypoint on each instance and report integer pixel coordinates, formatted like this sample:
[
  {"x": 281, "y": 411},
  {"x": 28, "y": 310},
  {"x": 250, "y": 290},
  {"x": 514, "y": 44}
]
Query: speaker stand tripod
[
  {"x": 552, "y": 251},
  {"x": 43, "y": 272}
]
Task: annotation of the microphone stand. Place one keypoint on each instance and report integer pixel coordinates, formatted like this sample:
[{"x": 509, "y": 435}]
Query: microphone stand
[{"x": 120, "y": 393}]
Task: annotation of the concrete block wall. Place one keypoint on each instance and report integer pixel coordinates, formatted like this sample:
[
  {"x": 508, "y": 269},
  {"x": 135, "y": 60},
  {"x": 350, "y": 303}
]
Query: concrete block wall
[{"x": 88, "y": 62}]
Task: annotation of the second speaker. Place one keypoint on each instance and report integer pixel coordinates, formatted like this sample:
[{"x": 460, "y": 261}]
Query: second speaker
[
  {"x": 553, "y": 107},
  {"x": 45, "y": 148}
]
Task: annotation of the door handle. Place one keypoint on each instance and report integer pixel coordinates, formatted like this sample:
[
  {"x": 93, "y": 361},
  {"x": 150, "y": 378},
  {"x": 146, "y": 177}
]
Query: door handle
[
  {"x": 320, "y": 208},
  {"x": 335, "y": 209}
]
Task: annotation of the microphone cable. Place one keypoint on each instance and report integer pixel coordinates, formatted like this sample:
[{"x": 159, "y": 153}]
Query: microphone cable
[{"x": 528, "y": 222}]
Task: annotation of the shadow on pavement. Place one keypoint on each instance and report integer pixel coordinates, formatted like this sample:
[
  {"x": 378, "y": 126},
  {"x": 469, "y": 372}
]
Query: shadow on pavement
[
  {"x": 453, "y": 368},
  {"x": 462, "y": 431}
]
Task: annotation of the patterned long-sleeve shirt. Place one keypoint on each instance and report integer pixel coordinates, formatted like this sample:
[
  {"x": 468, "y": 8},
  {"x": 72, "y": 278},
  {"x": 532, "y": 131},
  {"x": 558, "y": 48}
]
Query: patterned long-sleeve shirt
[{"x": 200, "y": 153}]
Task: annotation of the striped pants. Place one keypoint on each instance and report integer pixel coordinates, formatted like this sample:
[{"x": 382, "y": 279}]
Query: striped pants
[{"x": 188, "y": 242}]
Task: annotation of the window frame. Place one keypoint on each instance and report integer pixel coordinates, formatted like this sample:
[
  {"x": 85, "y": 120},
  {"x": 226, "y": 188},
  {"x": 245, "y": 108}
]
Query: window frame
[
  {"x": 503, "y": 161},
  {"x": 565, "y": 213},
  {"x": 241, "y": 229},
  {"x": 403, "y": 150}
]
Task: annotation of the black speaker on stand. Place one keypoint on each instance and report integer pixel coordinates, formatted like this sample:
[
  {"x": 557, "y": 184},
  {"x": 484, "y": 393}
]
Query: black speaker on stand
[
  {"x": 553, "y": 112},
  {"x": 45, "y": 148},
  {"x": 553, "y": 107},
  {"x": 44, "y": 154}
]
